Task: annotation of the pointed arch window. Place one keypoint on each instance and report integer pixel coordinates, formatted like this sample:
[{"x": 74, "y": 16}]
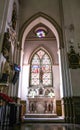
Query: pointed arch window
[{"x": 41, "y": 69}]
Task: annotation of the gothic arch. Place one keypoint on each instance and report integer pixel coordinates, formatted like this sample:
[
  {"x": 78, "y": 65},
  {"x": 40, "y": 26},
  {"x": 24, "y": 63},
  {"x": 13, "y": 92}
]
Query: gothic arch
[
  {"x": 46, "y": 20},
  {"x": 41, "y": 69},
  {"x": 44, "y": 49},
  {"x": 55, "y": 28}
]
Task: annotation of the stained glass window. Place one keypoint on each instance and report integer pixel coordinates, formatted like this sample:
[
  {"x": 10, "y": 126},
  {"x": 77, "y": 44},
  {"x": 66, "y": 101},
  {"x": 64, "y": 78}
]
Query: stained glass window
[
  {"x": 41, "y": 69},
  {"x": 40, "y": 33}
]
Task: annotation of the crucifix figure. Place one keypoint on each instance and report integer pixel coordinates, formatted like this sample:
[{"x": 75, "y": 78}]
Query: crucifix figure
[{"x": 41, "y": 75}]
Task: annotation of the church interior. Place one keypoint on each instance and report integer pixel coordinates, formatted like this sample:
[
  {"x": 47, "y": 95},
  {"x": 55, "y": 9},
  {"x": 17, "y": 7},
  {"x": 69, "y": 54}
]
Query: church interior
[{"x": 40, "y": 64}]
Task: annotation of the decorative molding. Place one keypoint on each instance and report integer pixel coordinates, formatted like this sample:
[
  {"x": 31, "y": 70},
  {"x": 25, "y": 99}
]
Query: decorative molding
[{"x": 41, "y": 39}]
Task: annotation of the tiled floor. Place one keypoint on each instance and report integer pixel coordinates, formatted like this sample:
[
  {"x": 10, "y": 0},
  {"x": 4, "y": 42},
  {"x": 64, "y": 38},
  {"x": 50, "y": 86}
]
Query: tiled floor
[{"x": 44, "y": 126}]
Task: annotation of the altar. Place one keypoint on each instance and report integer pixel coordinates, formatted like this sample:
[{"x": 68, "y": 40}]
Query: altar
[
  {"x": 40, "y": 105},
  {"x": 40, "y": 100}
]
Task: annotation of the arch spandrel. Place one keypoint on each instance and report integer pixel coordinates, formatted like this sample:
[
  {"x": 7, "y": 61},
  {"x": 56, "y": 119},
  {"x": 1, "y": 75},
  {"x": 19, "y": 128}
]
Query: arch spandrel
[{"x": 46, "y": 20}]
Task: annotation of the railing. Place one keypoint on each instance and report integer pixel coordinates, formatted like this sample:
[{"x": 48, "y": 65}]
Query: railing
[{"x": 10, "y": 113}]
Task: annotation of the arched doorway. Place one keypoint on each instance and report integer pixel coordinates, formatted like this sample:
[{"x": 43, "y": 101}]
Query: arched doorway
[{"x": 51, "y": 24}]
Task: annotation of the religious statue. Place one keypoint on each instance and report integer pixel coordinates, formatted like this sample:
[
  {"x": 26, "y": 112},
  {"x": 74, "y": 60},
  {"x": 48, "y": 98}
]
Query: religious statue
[
  {"x": 6, "y": 44},
  {"x": 2, "y": 62},
  {"x": 6, "y": 72}
]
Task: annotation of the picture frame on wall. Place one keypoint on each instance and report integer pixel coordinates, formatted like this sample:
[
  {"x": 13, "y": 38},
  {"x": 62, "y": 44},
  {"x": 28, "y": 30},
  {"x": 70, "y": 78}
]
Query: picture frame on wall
[{"x": 74, "y": 59}]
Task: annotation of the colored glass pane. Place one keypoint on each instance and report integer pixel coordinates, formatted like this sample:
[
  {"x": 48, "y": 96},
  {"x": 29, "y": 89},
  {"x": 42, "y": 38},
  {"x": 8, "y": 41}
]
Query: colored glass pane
[
  {"x": 41, "y": 33},
  {"x": 41, "y": 69},
  {"x": 35, "y": 69},
  {"x": 40, "y": 53},
  {"x": 35, "y": 60},
  {"x": 46, "y": 59}
]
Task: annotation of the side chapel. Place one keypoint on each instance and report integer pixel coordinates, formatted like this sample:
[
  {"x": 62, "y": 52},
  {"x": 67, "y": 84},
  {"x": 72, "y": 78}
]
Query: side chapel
[{"x": 40, "y": 59}]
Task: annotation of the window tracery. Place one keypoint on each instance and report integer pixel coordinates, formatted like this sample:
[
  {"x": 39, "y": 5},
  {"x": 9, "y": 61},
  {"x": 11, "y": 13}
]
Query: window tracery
[{"x": 41, "y": 69}]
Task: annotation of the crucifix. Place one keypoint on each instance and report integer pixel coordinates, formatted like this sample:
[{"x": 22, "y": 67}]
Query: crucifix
[{"x": 41, "y": 75}]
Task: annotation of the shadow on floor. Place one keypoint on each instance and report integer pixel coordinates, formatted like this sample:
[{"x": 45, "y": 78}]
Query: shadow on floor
[{"x": 42, "y": 126}]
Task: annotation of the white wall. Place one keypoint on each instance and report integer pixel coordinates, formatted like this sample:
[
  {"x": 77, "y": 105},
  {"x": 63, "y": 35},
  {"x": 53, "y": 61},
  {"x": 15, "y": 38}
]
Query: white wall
[
  {"x": 50, "y": 46},
  {"x": 25, "y": 82},
  {"x": 56, "y": 81}
]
